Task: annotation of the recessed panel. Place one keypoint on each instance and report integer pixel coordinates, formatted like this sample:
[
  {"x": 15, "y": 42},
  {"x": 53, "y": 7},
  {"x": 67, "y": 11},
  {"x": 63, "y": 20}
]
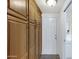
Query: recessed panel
[{"x": 20, "y": 6}]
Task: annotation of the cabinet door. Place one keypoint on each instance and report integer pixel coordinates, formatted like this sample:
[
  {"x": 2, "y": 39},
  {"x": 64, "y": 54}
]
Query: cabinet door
[
  {"x": 38, "y": 34},
  {"x": 17, "y": 39},
  {"x": 32, "y": 49},
  {"x": 19, "y": 6}
]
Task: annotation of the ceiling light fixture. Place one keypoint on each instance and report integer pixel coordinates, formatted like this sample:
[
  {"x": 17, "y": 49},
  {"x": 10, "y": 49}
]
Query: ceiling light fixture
[{"x": 51, "y": 2}]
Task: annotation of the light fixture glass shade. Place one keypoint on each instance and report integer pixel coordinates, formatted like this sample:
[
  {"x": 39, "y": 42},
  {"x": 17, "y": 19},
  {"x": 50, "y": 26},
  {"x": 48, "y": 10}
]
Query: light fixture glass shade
[{"x": 51, "y": 2}]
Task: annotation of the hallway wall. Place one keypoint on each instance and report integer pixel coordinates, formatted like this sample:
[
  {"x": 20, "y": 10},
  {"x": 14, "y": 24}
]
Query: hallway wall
[
  {"x": 59, "y": 40},
  {"x": 60, "y": 35},
  {"x": 61, "y": 31}
]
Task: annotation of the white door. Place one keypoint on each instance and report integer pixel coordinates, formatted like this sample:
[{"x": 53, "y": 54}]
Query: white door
[{"x": 49, "y": 35}]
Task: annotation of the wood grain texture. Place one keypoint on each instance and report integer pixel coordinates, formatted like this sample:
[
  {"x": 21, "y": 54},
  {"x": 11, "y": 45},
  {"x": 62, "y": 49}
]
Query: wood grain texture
[
  {"x": 31, "y": 11},
  {"x": 15, "y": 14},
  {"x": 32, "y": 43},
  {"x": 18, "y": 39},
  {"x": 37, "y": 41},
  {"x": 19, "y": 6},
  {"x": 23, "y": 29},
  {"x": 34, "y": 18}
]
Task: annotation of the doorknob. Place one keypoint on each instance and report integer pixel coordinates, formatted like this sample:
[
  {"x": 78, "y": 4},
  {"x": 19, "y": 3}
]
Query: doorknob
[{"x": 55, "y": 37}]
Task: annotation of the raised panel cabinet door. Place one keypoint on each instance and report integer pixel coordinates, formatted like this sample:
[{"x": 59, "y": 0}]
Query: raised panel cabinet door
[
  {"x": 19, "y": 6},
  {"x": 32, "y": 43},
  {"x": 38, "y": 34},
  {"x": 17, "y": 39}
]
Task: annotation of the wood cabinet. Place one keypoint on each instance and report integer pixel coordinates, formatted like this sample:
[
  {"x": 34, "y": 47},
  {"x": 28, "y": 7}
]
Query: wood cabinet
[{"x": 24, "y": 40}]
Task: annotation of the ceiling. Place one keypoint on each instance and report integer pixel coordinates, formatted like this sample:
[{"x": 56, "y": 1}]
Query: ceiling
[{"x": 46, "y": 9}]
